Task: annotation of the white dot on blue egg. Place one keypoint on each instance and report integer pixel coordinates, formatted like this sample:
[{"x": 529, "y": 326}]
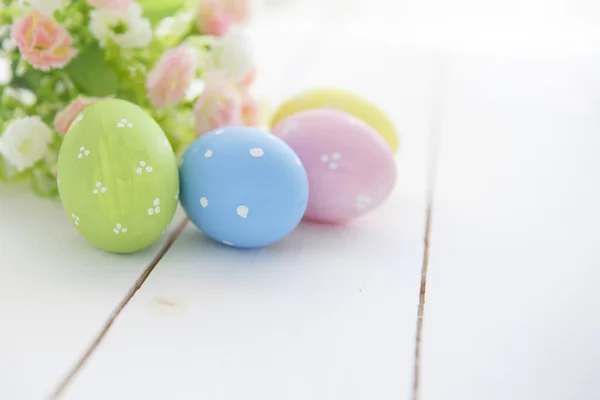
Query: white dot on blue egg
[
  {"x": 242, "y": 211},
  {"x": 257, "y": 187},
  {"x": 257, "y": 152}
]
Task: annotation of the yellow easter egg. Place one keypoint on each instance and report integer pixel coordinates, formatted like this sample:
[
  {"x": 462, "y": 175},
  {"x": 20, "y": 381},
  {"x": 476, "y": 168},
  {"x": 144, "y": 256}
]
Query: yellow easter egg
[{"x": 342, "y": 100}]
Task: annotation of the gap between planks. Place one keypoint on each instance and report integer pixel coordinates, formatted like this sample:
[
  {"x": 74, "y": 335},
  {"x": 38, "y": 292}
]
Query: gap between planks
[
  {"x": 435, "y": 137},
  {"x": 70, "y": 376}
]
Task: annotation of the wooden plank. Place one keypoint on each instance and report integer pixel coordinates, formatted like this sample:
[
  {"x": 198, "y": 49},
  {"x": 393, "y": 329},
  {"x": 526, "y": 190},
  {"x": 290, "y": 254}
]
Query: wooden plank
[
  {"x": 327, "y": 313},
  {"x": 512, "y": 301},
  {"x": 56, "y": 292}
]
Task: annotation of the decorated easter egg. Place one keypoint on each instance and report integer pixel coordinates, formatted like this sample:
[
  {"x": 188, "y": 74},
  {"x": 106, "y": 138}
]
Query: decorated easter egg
[
  {"x": 351, "y": 169},
  {"x": 338, "y": 99},
  {"x": 243, "y": 187},
  {"x": 117, "y": 176}
]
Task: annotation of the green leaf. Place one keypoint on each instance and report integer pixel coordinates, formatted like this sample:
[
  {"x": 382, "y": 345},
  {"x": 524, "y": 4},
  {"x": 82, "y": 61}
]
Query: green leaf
[
  {"x": 92, "y": 74},
  {"x": 43, "y": 183},
  {"x": 9, "y": 174},
  {"x": 155, "y": 10}
]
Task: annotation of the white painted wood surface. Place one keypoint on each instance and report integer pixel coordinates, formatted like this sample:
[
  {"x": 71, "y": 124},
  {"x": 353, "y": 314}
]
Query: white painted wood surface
[
  {"x": 56, "y": 292},
  {"x": 512, "y": 297},
  {"x": 327, "y": 313}
]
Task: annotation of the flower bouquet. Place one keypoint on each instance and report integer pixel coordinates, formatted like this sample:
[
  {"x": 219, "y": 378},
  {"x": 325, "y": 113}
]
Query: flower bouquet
[{"x": 187, "y": 63}]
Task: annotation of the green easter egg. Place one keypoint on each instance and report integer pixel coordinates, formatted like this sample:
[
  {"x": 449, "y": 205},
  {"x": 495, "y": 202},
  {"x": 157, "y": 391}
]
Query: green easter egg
[{"x": 118, "y": 177}]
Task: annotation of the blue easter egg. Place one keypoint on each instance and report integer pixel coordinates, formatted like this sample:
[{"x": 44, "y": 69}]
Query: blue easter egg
[{"x": 243, "y": 187}]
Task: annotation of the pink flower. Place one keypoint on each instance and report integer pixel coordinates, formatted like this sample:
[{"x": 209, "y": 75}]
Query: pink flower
[
  {"x": 239, "y": 9},
  {"x": 64, "y": 119},
  {"x": 171, "y": 77},
  {"x": 250, "y": 110},
  {"x": 213, "y": 18},
  {"x": 120, "y": 5},
  {"x": 219, "y": 105},
  {"x": 249, "y": 78},
  {"x": 43, "y": 42}
]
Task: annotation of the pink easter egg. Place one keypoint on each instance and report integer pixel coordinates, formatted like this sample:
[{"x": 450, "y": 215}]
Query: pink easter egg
[{"x": 350, "y": 167}]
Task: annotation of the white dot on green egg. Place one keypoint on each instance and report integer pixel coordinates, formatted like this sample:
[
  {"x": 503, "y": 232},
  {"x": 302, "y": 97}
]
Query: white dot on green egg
[
  {"x": 257, "y": 152},
  {"x": 243, "y": 211},
  {"x": 204, "y": 202},
  {"x": 208, "y": 154},
  {"x": 156, "y": 202}
]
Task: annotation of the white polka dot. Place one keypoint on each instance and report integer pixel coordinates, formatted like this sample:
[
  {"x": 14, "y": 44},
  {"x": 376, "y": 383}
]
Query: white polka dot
[
  {"x": 156, "y": 202},
  {"x": 116, "y": 231},
  {"x": 156, "y": 210},
  {"x": 149, "y": 169},
  {"x": 204, "y": 202},
  {"x": 143, "y": 163},
  {"x": 208, "y": 153},
  {"x": 150, "y": 211},
  {"x": 336, "y": 156},
  {"x": 324, "y": 158},
  {"x": 124, "y": 230},
  {"x": 82, "y": 148},
  {"x": 257, "y": 152},
  {"x": 243, "y": 211},
  {"x": 80, "y": 156},
  {"x": 333, "y": 165},
  {"x": 138, "y": 171}
]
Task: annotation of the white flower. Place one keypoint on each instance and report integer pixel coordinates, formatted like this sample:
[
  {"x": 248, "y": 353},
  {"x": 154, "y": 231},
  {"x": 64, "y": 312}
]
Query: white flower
[
  {"x": 25, "y": 141},
  {"x": 127, "y": 29},
  {"x": 24, "y": 96},
  {"x": 232, "y": 55},
  {"x": 176, "y": 26},
  {"x": 46, "y": 7}
]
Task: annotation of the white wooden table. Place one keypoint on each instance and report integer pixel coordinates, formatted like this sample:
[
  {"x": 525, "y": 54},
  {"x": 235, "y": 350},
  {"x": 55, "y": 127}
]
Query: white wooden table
[{"x": 499, "y": 174}]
